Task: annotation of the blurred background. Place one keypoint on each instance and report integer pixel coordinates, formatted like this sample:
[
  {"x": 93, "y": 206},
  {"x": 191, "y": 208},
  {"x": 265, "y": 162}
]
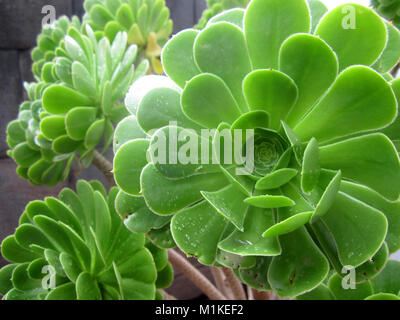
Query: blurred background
[{"x": 20, "y": 23}]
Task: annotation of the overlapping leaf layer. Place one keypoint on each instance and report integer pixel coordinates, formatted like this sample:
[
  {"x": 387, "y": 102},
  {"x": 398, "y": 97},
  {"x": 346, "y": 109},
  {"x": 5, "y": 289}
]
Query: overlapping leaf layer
[
  {"x": 384, "y": 286},
  {"x": 215, "y": 7},
  {"x": 76, "y": 247},
  {"x": 324, "y": 192}
]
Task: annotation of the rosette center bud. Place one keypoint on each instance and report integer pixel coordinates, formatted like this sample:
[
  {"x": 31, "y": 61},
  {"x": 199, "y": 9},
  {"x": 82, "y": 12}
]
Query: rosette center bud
[{"x": 268, "y": 148}]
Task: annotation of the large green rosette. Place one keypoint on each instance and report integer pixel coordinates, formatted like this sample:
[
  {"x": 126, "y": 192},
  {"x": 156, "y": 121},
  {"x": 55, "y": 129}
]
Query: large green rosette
[{"x": 324, "y": 190}]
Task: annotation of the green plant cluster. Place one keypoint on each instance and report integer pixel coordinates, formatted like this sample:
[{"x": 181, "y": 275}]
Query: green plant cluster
[
  {"x": 146, "y": 22},
  {"x": 81, "y": 77},
  {"x": 74, "y": 106},
  {"x": 324, "y": 192},
  {"x": 76, "y": 247},
  {"x": 389, "y": 9}
]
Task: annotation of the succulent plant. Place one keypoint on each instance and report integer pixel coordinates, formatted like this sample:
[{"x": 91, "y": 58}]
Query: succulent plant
[
  {"x": 49, "y": 40},
  {"x": 215, "y": 7},
  {"x": 389, "y": 9},
  {"x": 324, "y": 192},
  {"x": 73, "y": 109},
  {"x": 385, "y": 286},
  {"x": 146, "y": 22},
  {"x": 32, "y": 152},
  {"x": 79, "y": 240}
]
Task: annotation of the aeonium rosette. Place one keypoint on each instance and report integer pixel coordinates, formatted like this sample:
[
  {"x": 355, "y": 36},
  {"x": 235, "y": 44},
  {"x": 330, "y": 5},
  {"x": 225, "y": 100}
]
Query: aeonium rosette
[
  {"x": 75, "y": 247},
  {"x": 146, "y": 22},
  {"x": 323, "y": 189},
  {"x": 74, "y": 107}
]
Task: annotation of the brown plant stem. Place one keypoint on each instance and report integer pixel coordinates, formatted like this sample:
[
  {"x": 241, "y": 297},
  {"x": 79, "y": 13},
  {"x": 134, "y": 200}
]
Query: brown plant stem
[
  {"x": 104, "y": 166},
  {"x": 167, "y": 296},
  {"x": 194, "y": 275},
  {"x": 262, "y": 295},
  {"x": 395, "y": 70},
  {"x": 250, "y": 294},
  {"x": 235, "y": 284},
  {"x": 221, "y": 282}
]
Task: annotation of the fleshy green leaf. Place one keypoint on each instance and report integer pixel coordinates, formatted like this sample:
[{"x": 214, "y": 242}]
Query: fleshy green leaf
[
  {"x": 359, "y": 230},
  {"x": 250, "y": 242},
  {"x": 207, "y": 100},
  {"x": 350, "y": 106},
  {"x": 356, "y": 33},
  {"x": 276, "y": 179},
  {"x": 78, "y": 120},
  {"x": 383, "y": 296},
  {"x": 229, "y": 202},
  {"x": 234, "y": 16},
  {"x": 288, "y": 225},
  {"x": 127, "y": 129},
  {"x": 317, "y": 10},
  {"x": 390, "y": 56},
  {"x": 263, "y": 25},
  {"x": 301, "y": 266},
  {"x": 63, "y": 292},
  {"x": 269, "y": 201},
  {"x": 389, "y": 208},
  {"x": 127, "y": 170},
  {"x": 310, "y": 169},
  {"x": 160, "y": 107},
  {"x": 321, "y": 292},
  {"x": 166, "y": 196},
  {"x": 271, "y": 91},
  {"x": 87, "y": 288},
  {"x": 388, "y": 281},
  {"x": 360, "y": 292},
  {"x": 328, "y": 197},
  {"x": 221, "y": 49},
  {"x": 370, "y": 160},
  {"x": 177, "y": 52},
  {"x": 59, "y": 99},
  {"x": 197, "y": 231},
  {"x": 94, "y": 133}
]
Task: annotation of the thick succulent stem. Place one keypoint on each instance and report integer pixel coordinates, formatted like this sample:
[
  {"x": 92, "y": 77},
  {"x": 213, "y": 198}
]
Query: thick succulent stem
[
  {"x": 250, "y": 294},
  {"x": 167, "y": 296},
  {"x": 221, "y": 282},
  {"x": 237, "y": 287},
  {"x": 395, "y": 70},
  {"x": 104, "y": 166},
  {"x": 180, "y": 263},
  {"x": 262, "y": 295}
]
